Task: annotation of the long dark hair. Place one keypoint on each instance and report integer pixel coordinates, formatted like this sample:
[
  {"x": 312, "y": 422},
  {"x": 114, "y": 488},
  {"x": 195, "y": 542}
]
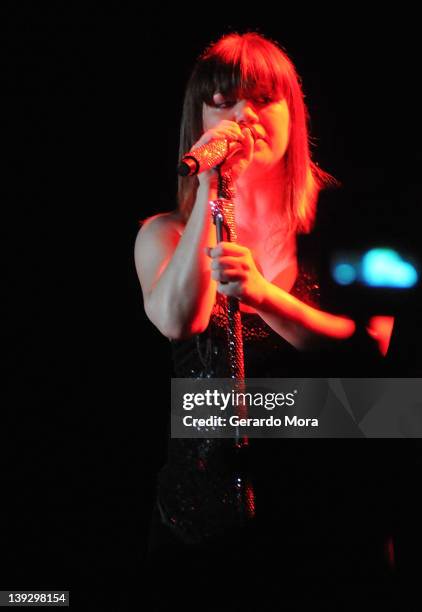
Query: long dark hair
[{"x": 246, "y": 63}]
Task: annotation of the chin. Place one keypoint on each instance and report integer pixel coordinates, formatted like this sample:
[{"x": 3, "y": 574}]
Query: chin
[{"x": 261, "y": 164}]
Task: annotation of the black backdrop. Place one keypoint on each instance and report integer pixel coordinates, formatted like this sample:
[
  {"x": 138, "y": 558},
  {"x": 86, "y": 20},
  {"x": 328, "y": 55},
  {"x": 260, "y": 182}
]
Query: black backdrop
[{"x": 89, "y": 128}]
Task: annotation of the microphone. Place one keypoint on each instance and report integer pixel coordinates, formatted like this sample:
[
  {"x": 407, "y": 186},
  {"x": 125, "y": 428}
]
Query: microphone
[{"x": 208, "y": 155}]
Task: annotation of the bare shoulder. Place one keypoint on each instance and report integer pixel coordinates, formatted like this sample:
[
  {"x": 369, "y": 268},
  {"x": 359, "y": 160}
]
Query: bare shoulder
[
  {"x": 161, "y": 231},
  {"x": 161, "y": 225},
  {"x": 155, "y": 244}
]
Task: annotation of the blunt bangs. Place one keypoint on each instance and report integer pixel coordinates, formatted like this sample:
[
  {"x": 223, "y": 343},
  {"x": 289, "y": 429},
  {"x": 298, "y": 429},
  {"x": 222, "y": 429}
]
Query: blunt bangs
[{"x": 243, "y": 67}]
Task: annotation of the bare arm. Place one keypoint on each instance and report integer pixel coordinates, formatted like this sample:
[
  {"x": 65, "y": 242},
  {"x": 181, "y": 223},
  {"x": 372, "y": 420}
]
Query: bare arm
[
  {"x": 303, "y": 326},
  {"x": 174, "y": 271},
  {"x": 309, "y": 328}
]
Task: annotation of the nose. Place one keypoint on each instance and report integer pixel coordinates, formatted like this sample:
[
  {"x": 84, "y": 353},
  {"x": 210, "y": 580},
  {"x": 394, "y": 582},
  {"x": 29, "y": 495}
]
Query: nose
[{"x": 245, "y": 111}]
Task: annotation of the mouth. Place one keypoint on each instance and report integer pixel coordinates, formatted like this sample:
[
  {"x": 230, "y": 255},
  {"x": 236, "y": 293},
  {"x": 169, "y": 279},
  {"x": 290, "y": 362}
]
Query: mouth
[
  {"x": 255, "y": 135},
  {"x": 259, "y": 141}
]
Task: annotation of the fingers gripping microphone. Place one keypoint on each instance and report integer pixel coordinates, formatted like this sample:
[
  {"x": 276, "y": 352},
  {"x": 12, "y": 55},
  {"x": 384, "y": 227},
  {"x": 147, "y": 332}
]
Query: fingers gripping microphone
[
  {"x": 204, "y": 158},
  {"x": 208, "y": 155}
]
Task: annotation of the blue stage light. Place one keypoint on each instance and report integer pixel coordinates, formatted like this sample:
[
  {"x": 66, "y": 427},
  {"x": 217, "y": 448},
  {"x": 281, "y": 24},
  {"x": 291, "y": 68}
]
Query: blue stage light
[
  {"x": 344, "y": 273},
  {"x": 383, "y": 267}
]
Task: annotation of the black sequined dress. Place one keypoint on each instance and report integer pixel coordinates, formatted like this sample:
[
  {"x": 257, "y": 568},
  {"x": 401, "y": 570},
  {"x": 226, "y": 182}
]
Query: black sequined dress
[
  {"x": 321, "y": 509},
  {"x": 197, "y": 495}
]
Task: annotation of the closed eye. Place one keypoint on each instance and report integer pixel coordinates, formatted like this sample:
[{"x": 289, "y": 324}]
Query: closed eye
[
  {"x": 225, "y": 104},
  {"x": 229, "y": 103},
  {"x": 264, "y": 100}
]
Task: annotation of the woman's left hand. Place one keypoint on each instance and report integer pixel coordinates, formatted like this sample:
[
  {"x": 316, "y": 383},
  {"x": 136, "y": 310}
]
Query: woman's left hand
[{"x": 234, "y": 269}]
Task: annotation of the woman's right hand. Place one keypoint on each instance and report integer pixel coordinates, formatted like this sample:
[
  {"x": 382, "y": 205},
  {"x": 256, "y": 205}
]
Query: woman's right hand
[{"x": 238, "y": 158}]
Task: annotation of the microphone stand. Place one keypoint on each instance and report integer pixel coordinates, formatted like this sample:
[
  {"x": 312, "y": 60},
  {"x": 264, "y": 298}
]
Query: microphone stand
[
  {"x": 224, "y": 219},
  {"x": 222, "y": 209}
]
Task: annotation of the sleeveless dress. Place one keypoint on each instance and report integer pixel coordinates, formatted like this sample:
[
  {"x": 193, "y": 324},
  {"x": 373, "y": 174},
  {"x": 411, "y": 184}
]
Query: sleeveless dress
[
  {"x": 314, "y": 508},
  {"x": 196, "y": 493}
]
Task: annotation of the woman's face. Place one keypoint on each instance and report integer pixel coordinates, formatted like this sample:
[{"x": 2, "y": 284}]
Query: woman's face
[{"x": 269, "y": 120}]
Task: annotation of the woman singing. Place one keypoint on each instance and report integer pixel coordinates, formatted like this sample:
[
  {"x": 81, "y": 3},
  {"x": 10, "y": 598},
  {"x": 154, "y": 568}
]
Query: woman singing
[{"x": 245, "y": 89}]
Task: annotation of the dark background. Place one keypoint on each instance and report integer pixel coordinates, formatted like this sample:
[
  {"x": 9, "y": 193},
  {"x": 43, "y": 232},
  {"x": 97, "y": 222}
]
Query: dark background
[{"x": 91, "y": 104}]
